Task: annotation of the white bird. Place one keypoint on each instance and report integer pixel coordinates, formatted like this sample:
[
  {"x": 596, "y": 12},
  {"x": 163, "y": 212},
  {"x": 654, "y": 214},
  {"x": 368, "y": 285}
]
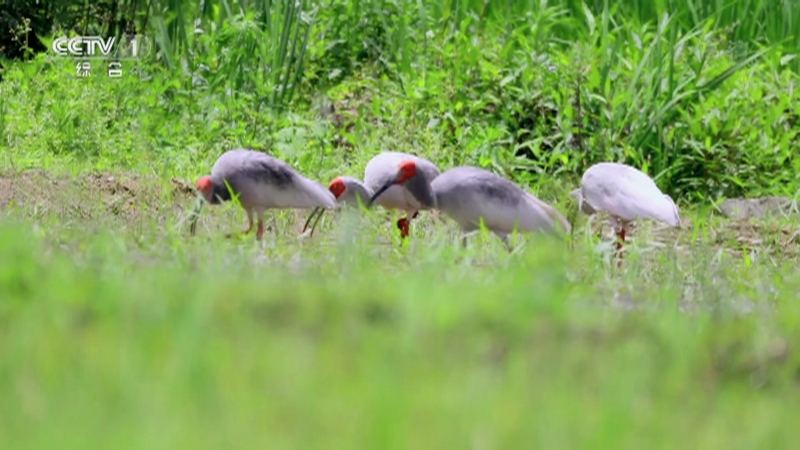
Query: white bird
[
  {"x": 626, "y": 194},
  {"x": 469, "y": 194},
  {"x": 260, "y": 182},
  {"x": 379, "y": 169}
]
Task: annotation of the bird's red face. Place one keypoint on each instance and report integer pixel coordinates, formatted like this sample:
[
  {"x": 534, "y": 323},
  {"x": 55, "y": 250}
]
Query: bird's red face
[
  {"x": 405, "y": 171},
  {"x": 205, "y": 187},
  {"x": 337, "y": 187}
]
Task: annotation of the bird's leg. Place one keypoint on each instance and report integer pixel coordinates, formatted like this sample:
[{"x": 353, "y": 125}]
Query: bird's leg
[
  {"x": 406, "y": 229},
  {"x": 405, "y": 224},
  {"x": 260, "y": 231},
  {"x": 620, "y": 242}
]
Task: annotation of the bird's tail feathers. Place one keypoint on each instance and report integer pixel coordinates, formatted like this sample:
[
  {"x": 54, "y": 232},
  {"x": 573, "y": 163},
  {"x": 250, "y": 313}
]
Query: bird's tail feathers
[
  {"x": 320, "y": 195},
  {"x": 552, "y": 213}
]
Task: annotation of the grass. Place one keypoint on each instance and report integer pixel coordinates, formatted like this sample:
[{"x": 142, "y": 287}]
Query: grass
[{"x": 119, "y": 330}]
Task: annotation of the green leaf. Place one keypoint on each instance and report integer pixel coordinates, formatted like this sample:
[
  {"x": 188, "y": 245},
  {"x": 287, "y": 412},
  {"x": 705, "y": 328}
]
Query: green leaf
[{"x": 590, "y": 21}]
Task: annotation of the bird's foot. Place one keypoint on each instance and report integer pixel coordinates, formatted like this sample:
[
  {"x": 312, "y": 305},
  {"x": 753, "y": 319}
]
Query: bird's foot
[
  {"x": 405, "y": 231},
  {"x": 404, "y": 225}
]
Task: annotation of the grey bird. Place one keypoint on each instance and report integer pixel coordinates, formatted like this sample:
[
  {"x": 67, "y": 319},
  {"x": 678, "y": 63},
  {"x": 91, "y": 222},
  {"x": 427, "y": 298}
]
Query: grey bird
[
  {"x": 348, "y": 192},
  {"x": 379, "y": 169},
  {"x": 626, "y": 194},
  {"x": 469, "y": 194},
  {"x": 260, "y": 182}
]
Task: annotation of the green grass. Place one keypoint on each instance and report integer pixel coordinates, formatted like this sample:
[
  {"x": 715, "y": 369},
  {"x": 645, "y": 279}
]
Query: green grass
[{"x": 119, "y": 330}]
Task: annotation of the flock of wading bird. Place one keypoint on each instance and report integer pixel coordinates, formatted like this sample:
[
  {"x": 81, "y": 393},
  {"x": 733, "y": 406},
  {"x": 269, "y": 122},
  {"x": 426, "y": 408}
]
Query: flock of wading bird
[{"x": 468, "y": 195}]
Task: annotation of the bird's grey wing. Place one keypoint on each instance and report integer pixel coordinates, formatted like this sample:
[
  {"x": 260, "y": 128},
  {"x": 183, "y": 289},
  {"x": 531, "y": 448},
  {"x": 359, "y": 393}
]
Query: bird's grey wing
[
  {"x": 469, "y": 195},
  {"x": 284, "y": 186},
  {"x": 267, "y": 169}
]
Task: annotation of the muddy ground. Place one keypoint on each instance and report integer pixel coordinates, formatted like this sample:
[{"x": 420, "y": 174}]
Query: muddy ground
[
  {"x": 126, "y": 197},
  {"x": 131, "y": 199}
]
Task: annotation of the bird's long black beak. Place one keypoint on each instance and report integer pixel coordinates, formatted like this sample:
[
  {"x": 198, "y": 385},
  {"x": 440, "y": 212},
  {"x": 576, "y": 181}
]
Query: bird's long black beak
[
  {"x": 318, "y": 211},
  {"x": 380, "y": 191},
  {"x": 195, "y": 214}
]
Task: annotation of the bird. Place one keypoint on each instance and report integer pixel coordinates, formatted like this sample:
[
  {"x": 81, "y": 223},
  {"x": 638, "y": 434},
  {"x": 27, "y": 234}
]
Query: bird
[
  {"x": 469, "y": 195},
  {"x": 380, "y": 168},
  {"x": 348, "y": 192},
  {"x": 260, "y": 182},
  {"x": 626, "y": 194}
]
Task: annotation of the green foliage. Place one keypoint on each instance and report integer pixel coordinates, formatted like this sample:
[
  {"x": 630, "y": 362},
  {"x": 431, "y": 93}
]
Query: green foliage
[
  {"x": 700, "y": 97},
  {"x": 341, "y": 343}
]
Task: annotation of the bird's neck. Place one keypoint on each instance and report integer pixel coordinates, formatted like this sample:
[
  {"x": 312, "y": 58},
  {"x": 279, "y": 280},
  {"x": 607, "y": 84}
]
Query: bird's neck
[
  {"x": 220, "y": 192},
  {"x": 421, "y": 189}
]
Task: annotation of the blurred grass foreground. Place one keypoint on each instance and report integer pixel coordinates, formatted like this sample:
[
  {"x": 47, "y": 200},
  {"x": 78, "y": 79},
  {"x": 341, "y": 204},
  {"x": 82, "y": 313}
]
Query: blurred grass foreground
[
  {"x": 170, "y": 344},
  {"x": 118, "y": 331}
]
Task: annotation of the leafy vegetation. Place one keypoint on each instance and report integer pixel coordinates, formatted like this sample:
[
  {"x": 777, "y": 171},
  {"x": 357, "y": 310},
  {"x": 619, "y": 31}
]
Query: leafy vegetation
[
  {"x": 703, "y": 98},
  {"x": 116, "y": 330}
]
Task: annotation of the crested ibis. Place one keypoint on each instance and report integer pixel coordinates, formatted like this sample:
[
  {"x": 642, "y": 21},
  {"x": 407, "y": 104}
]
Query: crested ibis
[
  {"x": 348, "y": 192},
  {"x": 379, "y": 169},
  {"x": 626, "y": 194},
  {"x": 469, "y": 194},
  {"x": 260, "y": 182}
]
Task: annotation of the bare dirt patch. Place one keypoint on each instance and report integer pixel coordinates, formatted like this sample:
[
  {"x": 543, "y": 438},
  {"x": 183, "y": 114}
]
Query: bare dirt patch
[
  {"x": 123, "y": 200},
  {"x": 89, "y": 196},
  {"x": 735, "y": 236}
]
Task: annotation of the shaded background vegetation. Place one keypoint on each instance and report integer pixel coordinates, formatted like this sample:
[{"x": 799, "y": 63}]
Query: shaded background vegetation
[{"x": 701, "y": 95}]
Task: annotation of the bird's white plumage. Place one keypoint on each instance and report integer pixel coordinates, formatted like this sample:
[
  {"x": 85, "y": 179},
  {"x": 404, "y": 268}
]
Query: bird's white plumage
[
  {"x": 354, "y": 190},
  {"x": 626, "y": 193},
  {"x": 383, "y": 167},
  {"x": 310, "y": 194}
]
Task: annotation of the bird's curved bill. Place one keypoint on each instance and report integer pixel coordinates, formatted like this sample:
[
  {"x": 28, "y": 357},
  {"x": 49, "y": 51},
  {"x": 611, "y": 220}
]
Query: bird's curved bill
[
  {"x": 195, "y": 214},
  {"x": 380, "y": 191},
  {"x": 318, "y": 211}
]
